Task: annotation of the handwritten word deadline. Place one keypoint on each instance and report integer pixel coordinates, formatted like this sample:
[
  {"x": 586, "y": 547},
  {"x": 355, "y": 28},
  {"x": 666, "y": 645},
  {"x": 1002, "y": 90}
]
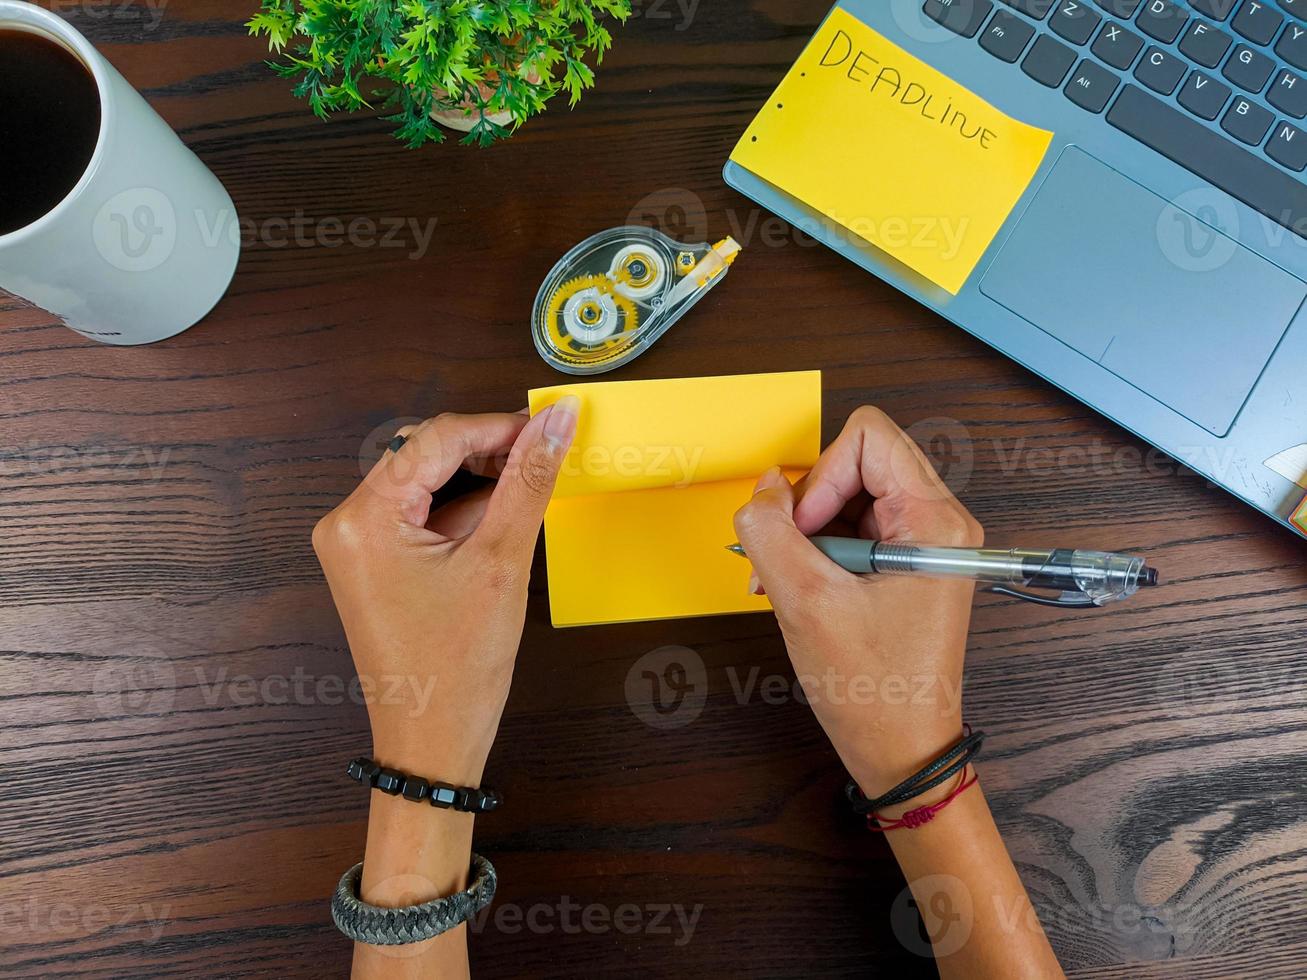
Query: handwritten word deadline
[{"x": 888, "y": 81}]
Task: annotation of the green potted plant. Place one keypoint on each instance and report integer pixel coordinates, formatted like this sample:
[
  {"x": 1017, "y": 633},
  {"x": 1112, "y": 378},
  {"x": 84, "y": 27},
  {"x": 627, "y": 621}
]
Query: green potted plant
[{"x": 481, "y": 66}]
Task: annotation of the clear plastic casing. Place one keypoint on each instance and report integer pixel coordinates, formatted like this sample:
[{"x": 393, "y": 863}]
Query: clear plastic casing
[{"x": 617, "y": 292}]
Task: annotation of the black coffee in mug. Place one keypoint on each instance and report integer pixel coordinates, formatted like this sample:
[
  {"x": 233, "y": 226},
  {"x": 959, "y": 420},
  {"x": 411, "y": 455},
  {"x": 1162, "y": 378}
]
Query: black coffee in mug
[{"x": 49, "y": 125}]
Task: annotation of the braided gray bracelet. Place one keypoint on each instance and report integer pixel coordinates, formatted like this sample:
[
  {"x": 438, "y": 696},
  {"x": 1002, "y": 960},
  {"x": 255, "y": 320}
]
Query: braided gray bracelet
[{"x": 379, "y": 926}]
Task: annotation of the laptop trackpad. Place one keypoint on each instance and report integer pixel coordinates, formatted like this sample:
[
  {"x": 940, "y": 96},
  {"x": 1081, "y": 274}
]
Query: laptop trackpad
[{"x": 1163, "y": 301}]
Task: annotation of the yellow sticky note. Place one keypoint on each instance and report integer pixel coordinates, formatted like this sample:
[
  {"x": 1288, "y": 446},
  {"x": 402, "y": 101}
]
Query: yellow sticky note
[
  {"x": 642, "y": 513},
  {"x": 896, "y": 152},
  {"x": 1299, "y": 517}
]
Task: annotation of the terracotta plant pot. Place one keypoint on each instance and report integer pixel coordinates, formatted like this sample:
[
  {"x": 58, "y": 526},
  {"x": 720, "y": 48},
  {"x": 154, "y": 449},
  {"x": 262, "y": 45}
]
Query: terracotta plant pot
[{"x": 464, "y": 117}]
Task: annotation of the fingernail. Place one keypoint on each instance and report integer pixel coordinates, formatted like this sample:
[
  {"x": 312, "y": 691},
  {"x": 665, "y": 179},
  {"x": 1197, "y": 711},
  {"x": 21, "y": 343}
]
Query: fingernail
[
  {"x": 560, "y": 427},
  {"x": 768, "y": 479},
  {"x": 753, "y": 585}
]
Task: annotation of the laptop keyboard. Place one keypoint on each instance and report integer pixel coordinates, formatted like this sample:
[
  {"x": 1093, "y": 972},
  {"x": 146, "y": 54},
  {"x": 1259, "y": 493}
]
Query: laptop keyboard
[{"x": 1161, "y": 70}]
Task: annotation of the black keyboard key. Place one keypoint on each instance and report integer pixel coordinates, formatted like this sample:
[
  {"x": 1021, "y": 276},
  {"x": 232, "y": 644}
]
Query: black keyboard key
[
  {"x": 1296, "y": 7},
  {"x": 1160, "y": 70},
  {"x": 1257, "y": 21},
  {"x": 1217, "y": 9},
  {"x": 1204, "y": 96},
  {"x": 1075, "y": 21},
  {"x": 1260, "y": 185},
  {"x": 1161, "y": 20},
  {"x": 1091, "y": 86},
  {"x": 1292, "y": 46},
  {"x": 1288, "y": 93},
  {"x": 1248, "y": 68},
  {"x": 959, "y": 16},
  {"x": 1037, "y": 9},
  {"x": 1247, "y": 121},
  {"x": 1123, "y": 9},
  {"x": 1048, "y": 61},
  {"x": 1006, "y": 36},
  {"x": 1204, "y": 44},
  {"x": 1117, "y": 46},
  {"x": 1288, "y": 145}
]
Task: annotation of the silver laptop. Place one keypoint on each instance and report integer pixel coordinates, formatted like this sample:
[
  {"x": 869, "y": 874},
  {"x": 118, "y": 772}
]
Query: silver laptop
[{"x": 1156, "y": 267}]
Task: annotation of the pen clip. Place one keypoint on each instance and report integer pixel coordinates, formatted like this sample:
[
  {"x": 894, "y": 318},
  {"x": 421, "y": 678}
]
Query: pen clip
[{"x": 1067, "y": 600}]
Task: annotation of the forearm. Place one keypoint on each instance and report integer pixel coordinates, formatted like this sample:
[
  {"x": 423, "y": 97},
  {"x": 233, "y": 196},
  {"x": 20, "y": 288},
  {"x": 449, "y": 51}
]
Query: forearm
[
  {"x": 972, "y": 901},
  {"x": 415, "y": 853},
  {"x": 418, "y": 853}
]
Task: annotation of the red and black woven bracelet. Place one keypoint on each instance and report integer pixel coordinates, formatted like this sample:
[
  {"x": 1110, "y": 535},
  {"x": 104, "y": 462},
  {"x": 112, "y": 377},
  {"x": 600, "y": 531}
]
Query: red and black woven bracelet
[
  {"x": 951, "y": 762},
  {"x": 912, "y": 819},
  {"x": 417, "y": 790}
]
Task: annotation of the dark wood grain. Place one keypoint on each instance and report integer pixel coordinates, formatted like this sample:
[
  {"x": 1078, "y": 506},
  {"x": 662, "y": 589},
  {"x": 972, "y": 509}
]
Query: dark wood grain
[{"x": 172, "y": 722}]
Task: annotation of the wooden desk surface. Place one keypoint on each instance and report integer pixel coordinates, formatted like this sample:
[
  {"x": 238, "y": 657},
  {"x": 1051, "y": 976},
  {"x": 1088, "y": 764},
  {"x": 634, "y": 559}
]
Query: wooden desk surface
[{"x": 176, "y": 711}]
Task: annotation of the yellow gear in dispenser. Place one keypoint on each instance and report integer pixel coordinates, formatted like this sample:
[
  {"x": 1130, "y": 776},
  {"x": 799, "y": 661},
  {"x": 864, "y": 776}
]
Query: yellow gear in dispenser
[
  {"x": 617, "y": 292},
  {"x": 587, "y": 312}
]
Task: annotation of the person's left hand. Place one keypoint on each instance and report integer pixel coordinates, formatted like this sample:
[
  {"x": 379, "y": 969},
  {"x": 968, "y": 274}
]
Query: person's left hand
[{"x": 433, "y": 602}]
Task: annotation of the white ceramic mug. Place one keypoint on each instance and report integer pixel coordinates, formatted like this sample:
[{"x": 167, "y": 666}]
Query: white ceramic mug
[{"x": 136, "y": 251}]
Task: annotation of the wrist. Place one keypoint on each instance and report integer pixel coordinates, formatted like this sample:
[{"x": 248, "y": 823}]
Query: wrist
[
  {"x": 415, "y": 853},
  {"x": 878, "y": 772},
  {"x": 444, "y": 748},
  {"x": 964, "y": 819},
  {"x": 460, "y": 765},
  {"x": 950, "y": 790}
]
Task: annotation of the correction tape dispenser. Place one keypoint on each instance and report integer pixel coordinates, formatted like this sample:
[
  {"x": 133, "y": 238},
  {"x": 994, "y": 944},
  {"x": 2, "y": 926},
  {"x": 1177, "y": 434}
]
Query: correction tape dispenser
[{"x": 617, "y": 292}]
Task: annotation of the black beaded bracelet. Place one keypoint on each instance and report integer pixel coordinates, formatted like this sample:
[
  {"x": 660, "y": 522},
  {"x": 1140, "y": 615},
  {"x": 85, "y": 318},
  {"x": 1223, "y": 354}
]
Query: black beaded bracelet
[
  {"x": 951, "y": 762},
  {"x": 416, "y": 789}
]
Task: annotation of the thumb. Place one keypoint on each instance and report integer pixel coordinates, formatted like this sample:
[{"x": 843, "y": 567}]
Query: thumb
[
  {"x": 785, "y": 562},
  {"x": 517, "y": 504}
]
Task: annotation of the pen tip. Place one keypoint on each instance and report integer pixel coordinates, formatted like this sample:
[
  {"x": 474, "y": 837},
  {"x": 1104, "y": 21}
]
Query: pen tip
[{"x": 735, "y": 549}]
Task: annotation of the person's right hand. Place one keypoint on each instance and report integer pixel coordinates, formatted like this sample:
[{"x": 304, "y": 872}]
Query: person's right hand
[{"x": 880, "y": 657}]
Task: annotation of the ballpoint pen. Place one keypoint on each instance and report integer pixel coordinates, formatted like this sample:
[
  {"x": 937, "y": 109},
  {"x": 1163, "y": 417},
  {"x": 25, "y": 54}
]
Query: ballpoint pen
[{"x": 1080, "y": 579}]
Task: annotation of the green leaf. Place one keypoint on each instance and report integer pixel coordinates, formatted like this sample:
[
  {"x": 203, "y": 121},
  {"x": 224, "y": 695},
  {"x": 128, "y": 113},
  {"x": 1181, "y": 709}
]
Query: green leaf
[{"x": 415, "y": 55}]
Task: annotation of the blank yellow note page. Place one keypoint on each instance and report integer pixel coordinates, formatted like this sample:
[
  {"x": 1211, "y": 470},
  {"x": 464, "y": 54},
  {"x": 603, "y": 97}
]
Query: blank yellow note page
[
  {"x": 641, "y": 516},
  {"x": 893, "y": 150}
]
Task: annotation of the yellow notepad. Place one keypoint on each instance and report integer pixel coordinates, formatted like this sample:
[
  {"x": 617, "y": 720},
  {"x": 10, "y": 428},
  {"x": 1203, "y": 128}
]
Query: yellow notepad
[
  {"x": 896, "y": 152},
  {"x": 642, "y": 513}
]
